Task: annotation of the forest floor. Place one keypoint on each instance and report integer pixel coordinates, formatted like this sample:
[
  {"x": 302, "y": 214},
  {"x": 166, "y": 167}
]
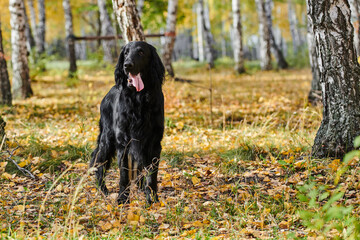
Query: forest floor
[{"x": 240, "y": 172}]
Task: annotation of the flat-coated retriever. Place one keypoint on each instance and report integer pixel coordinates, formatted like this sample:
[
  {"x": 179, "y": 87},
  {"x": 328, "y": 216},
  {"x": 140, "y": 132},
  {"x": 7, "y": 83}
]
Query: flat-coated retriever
[{"x": 132, "y": 121}]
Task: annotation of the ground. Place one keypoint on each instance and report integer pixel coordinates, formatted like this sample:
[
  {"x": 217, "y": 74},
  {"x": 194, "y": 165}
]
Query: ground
[{"x": 236, "y": 167}]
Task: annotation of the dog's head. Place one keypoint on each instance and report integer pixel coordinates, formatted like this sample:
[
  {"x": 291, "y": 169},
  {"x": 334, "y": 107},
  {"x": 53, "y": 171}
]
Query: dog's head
[{"x": 139, "y": 66}]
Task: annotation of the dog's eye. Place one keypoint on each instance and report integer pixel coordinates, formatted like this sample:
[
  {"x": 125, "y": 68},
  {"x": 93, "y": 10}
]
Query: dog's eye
[{"x": 141, "y": 52}]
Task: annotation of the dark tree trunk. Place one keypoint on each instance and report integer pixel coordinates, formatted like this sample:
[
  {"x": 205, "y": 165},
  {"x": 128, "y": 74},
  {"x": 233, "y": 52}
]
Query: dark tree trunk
[
  {"x": 265, "y": 39},
  {"x": 279, "y": 56},
  {"x": 170, "y": 40},
  {"x": 339, "y": 77},
  {"x": 314, "y": 96},
  {"x": 70, "y": 38},
  {"x": 21, "y": 87},
  {"x": 2, "y": 129},
  {"x": 5, "y": 89},
  {"x": 237, "y": 37},
  {"x": 128, "y": 19}
]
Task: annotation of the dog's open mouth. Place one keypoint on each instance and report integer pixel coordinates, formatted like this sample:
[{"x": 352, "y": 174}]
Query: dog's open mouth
[{"x": 136, "y": 81}]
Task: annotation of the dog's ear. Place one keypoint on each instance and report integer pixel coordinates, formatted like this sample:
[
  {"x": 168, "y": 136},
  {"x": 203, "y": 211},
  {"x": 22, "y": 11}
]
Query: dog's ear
[
  {"x": 119, "y": 69},
  {"x": 157, "y": 67}
]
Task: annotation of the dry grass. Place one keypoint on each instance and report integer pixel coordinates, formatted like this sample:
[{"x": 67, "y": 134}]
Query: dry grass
[{"x": 233, "y": 176}]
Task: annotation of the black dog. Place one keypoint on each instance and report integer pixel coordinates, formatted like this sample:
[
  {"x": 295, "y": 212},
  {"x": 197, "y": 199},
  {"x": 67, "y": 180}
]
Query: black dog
[{"x": 132, "y": 121}]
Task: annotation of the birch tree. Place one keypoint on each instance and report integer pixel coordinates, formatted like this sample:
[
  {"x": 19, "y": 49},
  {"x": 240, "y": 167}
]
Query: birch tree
[
  {"x": 314, "y": 96},
  {"x": 279, "y": 56},
  {"x": 21, "y": 87},
  {"x": 40, "y": 28},
  {"x": 265, "y": 41},
  {"x": 69, "y": 37},
  {"x": 355, "y": 17},
  {"x": 107, "y": 30},
  {"x": 294, "y": 30},
  {"x": 5, "y": 90},
  {"x": 237, "y": 37},
  {"x": 209, "y": 39},
  {"x": 339, "y": 77},
  {"x": 200, "y": 31},
  {"x": 140, "y": 6},
  {"x": 170, "y": 40},
  {"x": 128, "y": 19},
  {"x": 29, "y": 36}
]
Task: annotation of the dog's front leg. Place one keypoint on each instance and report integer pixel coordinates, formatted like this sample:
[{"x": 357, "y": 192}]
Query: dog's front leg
[
  {"x": 124, "y": 177},
  {"x": 151, "y": 182}
]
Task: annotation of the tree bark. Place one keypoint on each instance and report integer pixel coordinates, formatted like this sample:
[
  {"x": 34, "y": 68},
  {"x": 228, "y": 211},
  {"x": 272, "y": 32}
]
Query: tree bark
[
  {"x": 107, "y": 30},
  {"x": 2, "y": 129},
  {"x": 33, "y": 19},
  {"x": 200, "y": 31},
  {"x": 70, "y": 38},
  {"x": 5, "y": 89},
  {"x": 314, "y": 96},
  {"x": 21, "y": 86},
  {"x": 40, "y": 28},
  {"x": 265, "y": 40},
  {"x": 237, "y": 36},
  {"x": 139, "y": 7},
  {"x": 170, "y": 40},
  {"x": 279, "y": 56},
  {"x": 339, "y": 77},
  {"x": 29, "y": 36},
  {"x": 209, "y": 39},
  {"x": 355, "y": 15},
  {"x": 128, "y": 19},
  {"x": 294, "y": 30}
]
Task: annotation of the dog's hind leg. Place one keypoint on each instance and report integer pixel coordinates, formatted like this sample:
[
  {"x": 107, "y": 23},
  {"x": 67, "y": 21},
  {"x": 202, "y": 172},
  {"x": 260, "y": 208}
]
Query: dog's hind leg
[{"x": 101, "y": 159}]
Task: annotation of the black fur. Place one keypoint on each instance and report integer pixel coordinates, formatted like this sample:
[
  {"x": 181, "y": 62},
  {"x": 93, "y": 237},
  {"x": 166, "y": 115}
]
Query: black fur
[{"x": 131, "y": 122}]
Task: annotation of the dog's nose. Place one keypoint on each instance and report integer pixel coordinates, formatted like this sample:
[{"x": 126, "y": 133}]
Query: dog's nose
[{"x": 128, "y": 65}]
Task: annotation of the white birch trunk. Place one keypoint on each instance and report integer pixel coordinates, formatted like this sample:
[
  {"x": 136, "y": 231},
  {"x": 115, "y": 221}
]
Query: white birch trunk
[
  {"x": 237, "y": 37},
  {"x": 294, "y": 30},
  {"x": 69, "y": 36},
  {"x": 170, "y": 40},
  {"x": 209, "y": 39},
  {"x": 265, "y": 44},
  {"x": 140, "y": 7},
  {"x": 106, "y": 30},
  {"x": 41, "y": 27},
  {"x": 21, "y": 87},
  {"x": 128, "y": 19},
  {"x": 200, "y": 32}
]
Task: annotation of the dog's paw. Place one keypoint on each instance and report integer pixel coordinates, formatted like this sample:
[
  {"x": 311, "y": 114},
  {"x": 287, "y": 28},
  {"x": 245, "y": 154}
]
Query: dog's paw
[
  {"x": 151, "y": 198},
  {"x": 104, "y": 190}
]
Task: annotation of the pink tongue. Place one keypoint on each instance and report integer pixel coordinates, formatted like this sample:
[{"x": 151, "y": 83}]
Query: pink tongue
[{"x": 136, "y": 81}]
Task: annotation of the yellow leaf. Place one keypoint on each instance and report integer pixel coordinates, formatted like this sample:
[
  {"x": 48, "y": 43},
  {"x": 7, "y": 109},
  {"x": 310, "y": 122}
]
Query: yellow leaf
[
  {"x": 20, "y": 208},
  {"x": 107, "y": 226},
  {"x": 284, "y": 225},
  {"x": 81, "y": 165},
  {"x": 6, "y": 176},
  {"x": 179, "y": 125},
  {"x": 164, "y": 226},
  {"x": 195, "y": 180}
]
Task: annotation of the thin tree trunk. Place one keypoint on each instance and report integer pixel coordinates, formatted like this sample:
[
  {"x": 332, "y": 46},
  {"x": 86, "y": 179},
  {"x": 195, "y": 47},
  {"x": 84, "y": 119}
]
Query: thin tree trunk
[
  {"x": 265, "y": 40},
  {"x": 33, "y": 19},
  {"x": 106, "y": 30},
  {"x": 140, "y": 7},
  {"x": 200, "y": 31},
  {"x": 209, "y": 39},
  {"x": 339, "y": 77},
  {"x": 41, "y": 27},
  {"x": 128, "y": 19},
  {"x": 314, "y": 96},
  {"x": 170, "y": 40},
  {"x": 237, "y": 36},
  {"x": 279, "y": 56},
  {"x": 2, "y": 129},
  {"x": 29, "y": 36},
  {"x": 5, "y": 89},
  {"x": 293, "y": 22},
  {"x": 70, "y": 38},
  {"x": 21, "y": 87},
  {"x": 223, "y": 40},
  {"x": 355, "y": 15}
]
